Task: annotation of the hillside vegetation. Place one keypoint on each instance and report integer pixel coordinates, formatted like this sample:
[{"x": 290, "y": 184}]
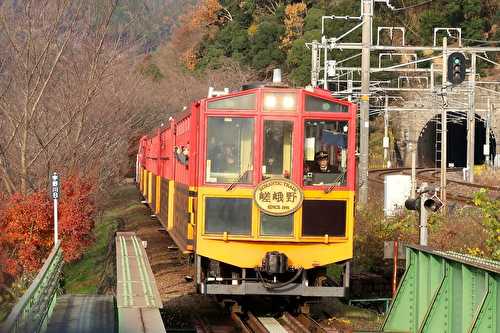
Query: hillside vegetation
[{"x": 265, "y": 34}]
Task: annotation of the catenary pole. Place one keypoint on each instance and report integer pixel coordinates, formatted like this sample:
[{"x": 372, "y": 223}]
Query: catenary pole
[
  {"x": 471, "y": 119},
  {"x": 364, "y": 125},
  {"x": 444, "y": 127},
  {"x": 486, "y": 149},
  {"x": 385, "y": 141}
]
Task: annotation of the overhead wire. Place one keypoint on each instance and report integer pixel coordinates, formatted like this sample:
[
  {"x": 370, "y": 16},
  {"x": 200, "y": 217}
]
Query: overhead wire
[
  {"x": 477, "y": 40},
  {"x": 412, "y": 6}
]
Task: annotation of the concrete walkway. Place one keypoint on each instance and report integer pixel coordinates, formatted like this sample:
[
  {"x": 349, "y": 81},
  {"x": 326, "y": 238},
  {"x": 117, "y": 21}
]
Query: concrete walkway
[{"x": 82, "y": 314}]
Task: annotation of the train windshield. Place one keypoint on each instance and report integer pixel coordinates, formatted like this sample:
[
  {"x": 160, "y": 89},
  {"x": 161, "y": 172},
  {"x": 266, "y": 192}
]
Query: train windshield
[
  {"x": 325, "y": 152},
  {"x": 277, "y": 160},
  {"x": 229, "y": 150}
]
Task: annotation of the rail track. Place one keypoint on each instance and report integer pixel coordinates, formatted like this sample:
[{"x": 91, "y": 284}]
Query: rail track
[
  {"x": 457, "y": 190},
  {"x": 286, "y": 322},
  {"x": 248, "y": 322}
]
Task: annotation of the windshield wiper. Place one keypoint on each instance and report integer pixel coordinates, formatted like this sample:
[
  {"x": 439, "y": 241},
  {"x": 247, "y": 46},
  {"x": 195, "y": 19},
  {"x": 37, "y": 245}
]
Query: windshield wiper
[
  {"x": 336, "y": 182},
  {"x": 237, "y": 180}
]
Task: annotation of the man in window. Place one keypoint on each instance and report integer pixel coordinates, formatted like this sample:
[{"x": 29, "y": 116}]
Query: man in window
[{"x": 322, "y": 165}]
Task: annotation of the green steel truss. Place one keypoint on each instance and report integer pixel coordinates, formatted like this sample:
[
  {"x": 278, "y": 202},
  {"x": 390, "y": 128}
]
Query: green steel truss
[{"x": 446, "y": 292}]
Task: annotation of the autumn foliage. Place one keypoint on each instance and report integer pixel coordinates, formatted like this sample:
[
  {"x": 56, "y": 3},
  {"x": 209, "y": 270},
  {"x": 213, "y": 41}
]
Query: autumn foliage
[
  {"x": 76, "y": 217},
  {"x": 294, "y": 23},
  {"x": 26, "y": 226}
]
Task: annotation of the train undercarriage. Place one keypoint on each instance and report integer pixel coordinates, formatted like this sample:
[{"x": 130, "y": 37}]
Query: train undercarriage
[{"x": 217, "y": 278}]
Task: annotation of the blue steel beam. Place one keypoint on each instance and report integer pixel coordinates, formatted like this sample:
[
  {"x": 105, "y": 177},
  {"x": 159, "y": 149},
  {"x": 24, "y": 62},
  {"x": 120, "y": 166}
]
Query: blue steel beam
[{"x": 446, "y": 292}]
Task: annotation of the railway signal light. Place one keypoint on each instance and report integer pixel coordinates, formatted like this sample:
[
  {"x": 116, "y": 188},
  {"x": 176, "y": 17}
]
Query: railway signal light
[
  {"x": 412, "y": 203},
  {"x": 426, "y": 202},
  {"x": 429, "y": 203},
  {"x": 433, "y": 204},
  {"x": 456, "y": 68}
]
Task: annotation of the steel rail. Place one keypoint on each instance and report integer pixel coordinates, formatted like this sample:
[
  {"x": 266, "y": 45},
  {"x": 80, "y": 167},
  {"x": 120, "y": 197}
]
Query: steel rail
[
  {"x": 240, "y": 323},
  {"x": 255, "y": 325},
  {"x": 377, "y": 176}
]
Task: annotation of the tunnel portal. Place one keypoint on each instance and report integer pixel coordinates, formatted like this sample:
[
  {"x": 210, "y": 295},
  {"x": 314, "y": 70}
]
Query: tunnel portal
[{"x": 429, "y": 141}]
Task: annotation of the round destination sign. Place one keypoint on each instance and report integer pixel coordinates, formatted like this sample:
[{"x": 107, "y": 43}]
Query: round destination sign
[{"x": 278, "y": 196}]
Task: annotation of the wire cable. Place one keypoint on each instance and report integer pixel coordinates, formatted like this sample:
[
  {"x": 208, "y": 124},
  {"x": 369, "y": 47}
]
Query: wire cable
[
  {"x": 412, "y": 6},
  {"x": 271, "y": 285},
  {"x": 477, "y": 40}
]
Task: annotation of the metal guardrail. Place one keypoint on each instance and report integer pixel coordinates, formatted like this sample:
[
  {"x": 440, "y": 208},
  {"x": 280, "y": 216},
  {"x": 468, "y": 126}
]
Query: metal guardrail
[
  {"x": 446, "y": 292},
  {"x": 31, "y": 312}
]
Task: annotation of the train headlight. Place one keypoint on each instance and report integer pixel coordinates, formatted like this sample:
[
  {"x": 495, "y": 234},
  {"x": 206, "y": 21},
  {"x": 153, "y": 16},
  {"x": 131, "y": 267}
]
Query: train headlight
[
  {"x": 289, "y": 102},
  {"x": 280, "y": 102},
  {"x": 270, "y": 101}
]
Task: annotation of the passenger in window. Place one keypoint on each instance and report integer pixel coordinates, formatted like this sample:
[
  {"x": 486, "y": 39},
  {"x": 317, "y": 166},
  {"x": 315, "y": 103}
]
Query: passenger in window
[
  {"x": 274, "y": 150},
  {"x": 227, "y": 159},
  {"x": 182, "y": 154}
]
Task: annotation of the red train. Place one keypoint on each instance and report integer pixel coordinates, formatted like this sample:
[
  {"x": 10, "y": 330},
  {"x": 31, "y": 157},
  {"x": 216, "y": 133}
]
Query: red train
[{"x": 258, "y": 185}]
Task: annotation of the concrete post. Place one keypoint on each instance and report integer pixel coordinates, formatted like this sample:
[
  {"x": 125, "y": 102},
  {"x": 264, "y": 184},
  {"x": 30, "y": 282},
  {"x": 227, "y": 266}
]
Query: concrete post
[
  {"x": 486, "y": 149},
  {"x": 423, "y": 216},
  {"x": 364, "y": 125},
  {"x": 471, "y": 119},
  {"x": 385, "y": 141},
  {"x": 444, "y": 127}
]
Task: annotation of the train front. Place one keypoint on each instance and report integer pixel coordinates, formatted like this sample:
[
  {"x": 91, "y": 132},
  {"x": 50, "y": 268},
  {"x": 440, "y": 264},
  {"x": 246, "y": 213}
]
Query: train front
[{"x": 275, "y": 199}]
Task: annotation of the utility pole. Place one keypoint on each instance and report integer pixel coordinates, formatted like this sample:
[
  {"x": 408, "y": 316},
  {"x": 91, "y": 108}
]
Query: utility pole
[
  {"x": 364, "y": 125},
  {"x": 385, "y": 141},
  {"x": 423, "y": 216},
  {"x": 486, "y": 149},
  {"x": 413, "y": 169},
  {"x": 471, "y": 119},
  {"x": 444, "y": 129}
]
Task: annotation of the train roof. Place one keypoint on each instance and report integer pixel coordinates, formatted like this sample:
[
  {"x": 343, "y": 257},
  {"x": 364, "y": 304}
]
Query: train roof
[{"x": 245, "y": 89}]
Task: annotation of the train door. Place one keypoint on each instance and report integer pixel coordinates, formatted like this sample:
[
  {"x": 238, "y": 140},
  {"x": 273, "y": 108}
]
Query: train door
[{"x": 279, "y": 138}]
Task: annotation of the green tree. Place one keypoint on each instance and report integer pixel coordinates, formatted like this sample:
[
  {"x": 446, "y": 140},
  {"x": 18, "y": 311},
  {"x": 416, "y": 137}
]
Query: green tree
[
  {"x": 299, "y": 59},
  {"x": 264, "y": 50}
]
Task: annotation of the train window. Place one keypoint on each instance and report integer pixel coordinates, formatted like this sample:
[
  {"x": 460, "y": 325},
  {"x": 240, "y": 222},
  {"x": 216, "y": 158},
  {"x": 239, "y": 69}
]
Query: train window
[
  {"x": 325, "y": 152},
  {"x": 276, "y": 225},
  {"x": 322, "y": 105},
  {"x": 231, "y": 215},
  {"x": 229, "y": 150},
  {"x": 280, "y": 101},
  {"x": 243, "y": 102},
  {"x": 323, "y": 217},
  {"x": 277, "y": 148}
]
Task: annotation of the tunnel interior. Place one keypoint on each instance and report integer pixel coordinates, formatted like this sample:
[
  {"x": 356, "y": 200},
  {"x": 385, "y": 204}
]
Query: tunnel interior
[{"x": 430, "y": 138}]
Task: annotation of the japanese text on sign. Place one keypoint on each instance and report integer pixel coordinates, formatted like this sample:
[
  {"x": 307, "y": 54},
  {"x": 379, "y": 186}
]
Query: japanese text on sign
[
  {"x": 55, "y": 186},
  {"x": 278, "y": 196}
]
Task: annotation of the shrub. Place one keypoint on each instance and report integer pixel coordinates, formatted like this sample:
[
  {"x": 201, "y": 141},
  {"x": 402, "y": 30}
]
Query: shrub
[
  {"x": 469, "y": 230},
  {"x": 26, "y": 226},
  {"x": 490, "y": 213}
]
